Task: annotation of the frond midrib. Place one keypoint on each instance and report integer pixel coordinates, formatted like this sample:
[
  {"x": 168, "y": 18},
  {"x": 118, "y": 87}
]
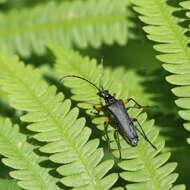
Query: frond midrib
[
  {"x": 58, "y": 123},
  {"x": 79, "y": 22},
  {"x": 149, "y": 168},
  {"x": 175, "y": 30}
]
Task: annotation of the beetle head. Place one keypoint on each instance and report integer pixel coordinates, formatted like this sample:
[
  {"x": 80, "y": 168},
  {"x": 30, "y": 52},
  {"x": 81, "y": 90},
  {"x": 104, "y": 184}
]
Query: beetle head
[
  {"x": 109, "y": 99},
  {"x": 104, "y": 94}
]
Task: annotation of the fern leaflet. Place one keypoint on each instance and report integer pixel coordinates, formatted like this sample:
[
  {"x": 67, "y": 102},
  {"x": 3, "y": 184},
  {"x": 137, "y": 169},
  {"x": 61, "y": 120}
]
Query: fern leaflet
[
  {"x": 142, "y": 165},
  {"x": 57, "y": 125}
]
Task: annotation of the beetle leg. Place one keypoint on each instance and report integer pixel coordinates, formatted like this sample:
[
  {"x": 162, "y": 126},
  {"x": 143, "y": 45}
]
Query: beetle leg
[
  {"x": 127, "y": 101},
  {"x": 98, "y": 108},
  {"x": 136, "y": 103},
  {"x": 143, "y": 133},
  {"x": 130, "y": 107},
  {"x": 116, "y": 136},
  {"x": 106, "y": 122}
]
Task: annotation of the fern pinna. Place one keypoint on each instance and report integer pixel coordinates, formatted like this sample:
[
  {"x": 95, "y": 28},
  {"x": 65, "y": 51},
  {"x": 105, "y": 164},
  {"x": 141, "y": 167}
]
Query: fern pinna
[
  {"x": 143, "y": 166},
  {"x": 74, "y": 23},
  {"x": 165, "y": 28},
  {"x": 57, "y": 124}
]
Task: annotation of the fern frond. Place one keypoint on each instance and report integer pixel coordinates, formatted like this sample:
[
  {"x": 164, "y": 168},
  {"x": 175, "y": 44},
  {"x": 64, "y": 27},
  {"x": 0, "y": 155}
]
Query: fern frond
[
  {"x": 183, "y": 91},
  {"x": 142, "y": 165},
  {"x": 164, "y": 28},
  {"x": 70, "y": 23},
  {"x": 19, "y": 155},
  {"x": 67, "y": 138}
]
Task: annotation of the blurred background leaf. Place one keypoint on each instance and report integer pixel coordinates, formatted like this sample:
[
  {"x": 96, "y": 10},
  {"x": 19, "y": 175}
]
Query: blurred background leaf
[{"x": 74, "y": 23}]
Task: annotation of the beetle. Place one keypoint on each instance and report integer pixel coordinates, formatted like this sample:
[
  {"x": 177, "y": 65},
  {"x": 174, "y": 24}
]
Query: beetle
[{"x": 115, "y": 109}]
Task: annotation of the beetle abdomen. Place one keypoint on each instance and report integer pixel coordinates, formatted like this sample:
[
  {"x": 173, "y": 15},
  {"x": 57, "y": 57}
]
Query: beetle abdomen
[{"x": 125, "y": 125}]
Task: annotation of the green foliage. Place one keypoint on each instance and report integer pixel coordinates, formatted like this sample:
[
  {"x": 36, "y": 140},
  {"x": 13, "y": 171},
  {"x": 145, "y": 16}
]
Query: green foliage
[
  {"x": 8, "y": 184},
  {"x": 68, "y": 23},
  {"x": 183, "y": 91},
  {"x": 3, "y": 1},
  {"x": 164, "y": 28},
  {"x": 57, "y": 125},
  {"x": 44, "y": 140},
  {"x": 142, "y": 164},
  {"x": 20, "y": 156}
]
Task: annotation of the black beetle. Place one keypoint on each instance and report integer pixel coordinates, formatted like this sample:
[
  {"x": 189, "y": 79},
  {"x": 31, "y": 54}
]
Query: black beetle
[{"x": 116, "y": 110}]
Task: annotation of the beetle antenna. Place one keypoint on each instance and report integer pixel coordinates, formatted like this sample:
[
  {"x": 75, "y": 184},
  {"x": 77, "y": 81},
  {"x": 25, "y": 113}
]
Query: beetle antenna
[{"x": 76, "y": 76}]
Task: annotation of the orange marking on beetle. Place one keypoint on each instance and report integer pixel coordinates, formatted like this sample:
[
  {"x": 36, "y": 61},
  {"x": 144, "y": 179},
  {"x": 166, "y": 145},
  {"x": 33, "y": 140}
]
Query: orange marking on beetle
[
  {"x": 98, "y": 106},
  {"x": 126, "y": 101},
  {"x": 106, "y": 120}
]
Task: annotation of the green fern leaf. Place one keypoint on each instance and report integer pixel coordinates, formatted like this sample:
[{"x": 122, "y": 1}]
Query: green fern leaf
[
  {"x": 67, "y": 138},
  {"x": 68, "y": 23},
  {"x": 142, "y": 165},
  {"x": 164, "y": 28},
  {"x": 9, "y": 184},
  {"x": 20, "y": 156}
]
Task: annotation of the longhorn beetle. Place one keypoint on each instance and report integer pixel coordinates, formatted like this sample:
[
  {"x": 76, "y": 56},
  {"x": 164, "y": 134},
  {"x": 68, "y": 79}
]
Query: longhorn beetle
[{"x": 116, "y": 110}]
